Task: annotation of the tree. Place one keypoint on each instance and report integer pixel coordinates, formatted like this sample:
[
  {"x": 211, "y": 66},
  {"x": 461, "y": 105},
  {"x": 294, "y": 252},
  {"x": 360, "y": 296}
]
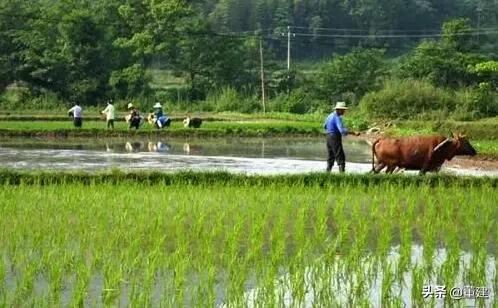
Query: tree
[
  {"x": 433, "y": 61},
  {"x": 457, "y": 35},
  {"x": 486, "y": 72},
  {"x": 444, "y": 62},
  {"x": 211, "y": 61},
  {"x": 355, "y": 73},
  {"x": 8, "y": 25},
  {"x": 65, "y": 53}
]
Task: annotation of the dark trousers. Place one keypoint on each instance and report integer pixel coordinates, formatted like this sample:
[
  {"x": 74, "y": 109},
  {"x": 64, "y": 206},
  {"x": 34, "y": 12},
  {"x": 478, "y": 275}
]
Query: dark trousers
[
  {"x": 135, "y": 122},
  {"x": 335, "y": 152},
  {"x": 110, "y": 124},
  {"x": 77, "y": 122}
]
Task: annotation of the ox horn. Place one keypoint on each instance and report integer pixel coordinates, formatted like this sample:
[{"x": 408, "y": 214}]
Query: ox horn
[{"x": 443, "y": 143}]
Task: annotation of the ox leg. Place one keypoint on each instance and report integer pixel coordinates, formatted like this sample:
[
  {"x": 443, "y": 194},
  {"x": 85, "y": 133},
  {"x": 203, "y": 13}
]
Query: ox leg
[
  {"x": 378, "y": 168},
  {"x": 425, "y": 169},
  {"x": 390, "y": 169}
]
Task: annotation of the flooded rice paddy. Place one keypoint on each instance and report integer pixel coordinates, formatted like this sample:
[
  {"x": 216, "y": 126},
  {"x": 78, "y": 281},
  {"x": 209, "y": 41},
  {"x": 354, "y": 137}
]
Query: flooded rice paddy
[
  {"x": 319, "y": 280},
  {"x": 241, "y": 155}
]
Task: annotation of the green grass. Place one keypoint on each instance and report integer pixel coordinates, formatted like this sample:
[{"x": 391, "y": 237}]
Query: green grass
[
  {"x": 240, "y": 128},
  {"x": 486, "y": 147},
  {"x": 178, "y": 115},
  {"x": 482, "y": 129},
  {"x": 211, "y": 239}
]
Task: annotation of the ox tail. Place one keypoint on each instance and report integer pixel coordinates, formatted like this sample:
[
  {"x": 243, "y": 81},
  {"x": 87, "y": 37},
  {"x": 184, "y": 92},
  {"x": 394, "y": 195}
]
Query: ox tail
[{"x": 374, "y": 154}]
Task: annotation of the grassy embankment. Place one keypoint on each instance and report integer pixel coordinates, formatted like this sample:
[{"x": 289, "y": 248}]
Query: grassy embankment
[
  {"x": 483, "y": 134},
  {"x": 213, "y": 238}
]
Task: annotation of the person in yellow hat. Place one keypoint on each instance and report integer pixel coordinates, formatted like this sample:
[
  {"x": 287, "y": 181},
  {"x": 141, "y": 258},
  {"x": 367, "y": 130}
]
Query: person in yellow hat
[{"x": 335, "y": 131}]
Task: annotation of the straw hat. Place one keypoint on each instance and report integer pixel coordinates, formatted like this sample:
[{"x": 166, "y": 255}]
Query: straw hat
[
  {"x": 130, "y": 105},
  {"x": 157, "y": 105},
  {"x": 341, "y": 105}
]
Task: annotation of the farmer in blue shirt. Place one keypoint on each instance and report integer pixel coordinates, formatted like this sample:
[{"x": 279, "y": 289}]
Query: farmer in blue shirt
[
  {"x": 162, "y": 120},
  {"x": 335, "y": 130}
]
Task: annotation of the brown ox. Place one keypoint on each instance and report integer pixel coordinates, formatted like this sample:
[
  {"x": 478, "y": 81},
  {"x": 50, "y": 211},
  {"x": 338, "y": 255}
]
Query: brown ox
[{"x": 424, "y": 153}]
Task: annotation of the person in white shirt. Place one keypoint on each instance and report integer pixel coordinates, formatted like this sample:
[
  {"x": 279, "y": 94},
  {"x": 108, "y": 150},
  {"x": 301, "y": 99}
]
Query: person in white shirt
[
  {"x": 77, "y": 113},
  {"x": 109, "y": 112}
]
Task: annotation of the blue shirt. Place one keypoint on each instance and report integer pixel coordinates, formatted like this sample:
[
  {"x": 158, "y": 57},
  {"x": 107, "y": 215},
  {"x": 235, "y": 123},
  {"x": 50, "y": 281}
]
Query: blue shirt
[
  {"x": 333, "y": 125},
  {"x": 159, "y": 113}
]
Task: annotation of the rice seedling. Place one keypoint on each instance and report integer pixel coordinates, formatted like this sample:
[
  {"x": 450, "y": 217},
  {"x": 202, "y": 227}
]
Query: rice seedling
[{"x": 217, "y": 239}]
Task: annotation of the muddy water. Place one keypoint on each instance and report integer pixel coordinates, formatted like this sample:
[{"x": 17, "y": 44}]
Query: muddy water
[
  {"x": 246, "y": 155},
  {"x": 250, "y": 155},
  {"x": 335, "y": 279}
]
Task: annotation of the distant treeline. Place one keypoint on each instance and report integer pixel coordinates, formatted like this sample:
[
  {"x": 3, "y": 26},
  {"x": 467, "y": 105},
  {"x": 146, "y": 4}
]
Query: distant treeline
[
  {"x": 53, "y": 53},
  {"x": 348, "y": 22}
]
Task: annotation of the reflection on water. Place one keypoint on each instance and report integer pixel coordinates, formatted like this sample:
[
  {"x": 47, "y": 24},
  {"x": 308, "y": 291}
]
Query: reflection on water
[
  {"x": 298, "y": 148},
  {"x": 247, "y": 155},
  {"x": 192, "y": 149},
  {"x": 137, "y": 147},
  {"x": 382, "y": 280}
]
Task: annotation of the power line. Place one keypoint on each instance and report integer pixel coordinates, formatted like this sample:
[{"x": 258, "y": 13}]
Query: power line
[
  {"x": 384, "y": 30},
  {"x": 260, "y": 33},
  {"x": 394, "y": 35}
]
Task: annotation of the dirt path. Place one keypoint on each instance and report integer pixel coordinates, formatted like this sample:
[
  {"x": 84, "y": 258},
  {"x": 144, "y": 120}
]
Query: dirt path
[{"x": 477, "y": 163}]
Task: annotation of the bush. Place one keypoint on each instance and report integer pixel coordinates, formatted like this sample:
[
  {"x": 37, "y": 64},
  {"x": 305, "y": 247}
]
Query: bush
[
  {"x": 299, "y": 101},
  {"x": 130, "y": 82},
  {"x": 231, "y": 100},
  {"x": 476, "y": 103},
  {"x": 176, "y": 94},
  {"x": 287, "y": 103},
  {"x": 21, "y": 98},
  {"x": 407, "y": 99}
]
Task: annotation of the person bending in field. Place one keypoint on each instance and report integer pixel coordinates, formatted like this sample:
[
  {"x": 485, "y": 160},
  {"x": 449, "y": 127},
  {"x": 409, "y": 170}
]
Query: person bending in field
[
  {"x": 160, "y": 119},
  {"x": 335, "y": 130},
  {"x": 134, "y": 116},
  {"x": 109, "y": 114},
  {"x": 77, "y": 113}
]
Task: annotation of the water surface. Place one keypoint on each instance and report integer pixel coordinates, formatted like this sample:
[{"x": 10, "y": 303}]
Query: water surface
[{"x": 245, "y": 155}]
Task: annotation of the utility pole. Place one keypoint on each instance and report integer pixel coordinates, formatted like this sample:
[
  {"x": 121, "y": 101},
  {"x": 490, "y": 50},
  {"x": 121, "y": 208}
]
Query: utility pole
[
  {"x": 262, "y": 69},
  {"x": 288, "y": 48},
  {"x": 479, "y": 11},
  {"x": 288, "y": 56}
]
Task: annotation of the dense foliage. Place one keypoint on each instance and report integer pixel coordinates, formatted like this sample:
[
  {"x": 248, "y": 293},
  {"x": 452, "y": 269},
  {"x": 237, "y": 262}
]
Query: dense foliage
[{"x": 53, "y": 53}]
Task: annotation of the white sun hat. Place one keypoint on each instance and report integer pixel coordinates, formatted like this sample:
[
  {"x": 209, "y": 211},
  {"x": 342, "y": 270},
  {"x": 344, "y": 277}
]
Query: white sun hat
[
  {"x": 158, "y": 105},
  {"x": 341, "y": 105}
]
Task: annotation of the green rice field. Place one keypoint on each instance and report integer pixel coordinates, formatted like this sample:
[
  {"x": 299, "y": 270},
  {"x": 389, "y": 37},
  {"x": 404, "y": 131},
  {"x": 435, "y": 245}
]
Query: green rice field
[
  {"x": 216, "y": 239},
  {"x": 212, "y": 128}
]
